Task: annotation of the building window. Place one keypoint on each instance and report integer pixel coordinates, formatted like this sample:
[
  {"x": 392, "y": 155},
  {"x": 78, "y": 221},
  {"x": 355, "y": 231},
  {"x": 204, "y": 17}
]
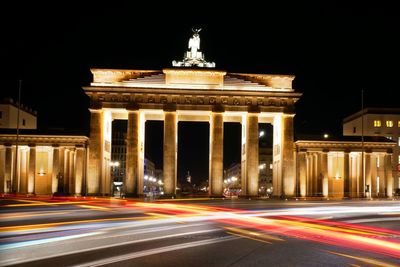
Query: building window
[
  {"x": 398, "y": 124},
  {"x": 377, "y": 162},
  {"x": 377, "y": 123},
  {"x": 398, "y": 160},
  {"x": 399, "y": 141},
  {"x": 354, "y": 129},
  {"x": 389, "y": 123},
  {"x": 23, "y": 122}
]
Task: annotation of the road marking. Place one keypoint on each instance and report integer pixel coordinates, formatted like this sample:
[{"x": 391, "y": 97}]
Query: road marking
[
  {"x": 365, "y": 260},
  {"x": 139, "y": 254},
  {"x": 12, "y": 261}
]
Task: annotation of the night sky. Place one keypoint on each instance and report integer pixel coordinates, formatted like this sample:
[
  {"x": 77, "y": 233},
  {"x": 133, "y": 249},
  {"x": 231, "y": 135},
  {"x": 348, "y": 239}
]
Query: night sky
[{"x": 334, "y": 49}]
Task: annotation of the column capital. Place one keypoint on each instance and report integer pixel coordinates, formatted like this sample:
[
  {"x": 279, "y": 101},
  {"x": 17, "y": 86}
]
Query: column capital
[
  {"x": 55, "y": 146},
  {"x": 325, "y": 150},
  {"x": 253, "y": 109},
  {"x": 218, "y": 109},
  {"x": 95, "y": 110},
  {"x": 31, "y": 145},
  {"x": 132, "y": 107},
  {"x": 95, "y": 105},
  {"x": 290, "y": 115},
  {"x": 169, "y": 108}
]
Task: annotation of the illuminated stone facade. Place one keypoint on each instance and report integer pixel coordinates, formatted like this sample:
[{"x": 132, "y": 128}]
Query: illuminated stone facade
[
  {"x": 334, "y": 169},
  {"x": 383, "y": 122},
  {"x": 174, "y": 95},
  {"x": 46, "y": 164}
]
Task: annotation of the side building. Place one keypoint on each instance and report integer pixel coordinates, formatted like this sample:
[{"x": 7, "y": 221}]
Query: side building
[
  {"x": 384, "y": 122},
  {"x": 333, "y": 168},
  {"x": 9, "y": 115}
]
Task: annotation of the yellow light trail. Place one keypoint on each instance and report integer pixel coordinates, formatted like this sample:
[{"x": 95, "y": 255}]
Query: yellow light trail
[
  {"x": 366, "y": 260},
  {"x": 49, "y": 225}
]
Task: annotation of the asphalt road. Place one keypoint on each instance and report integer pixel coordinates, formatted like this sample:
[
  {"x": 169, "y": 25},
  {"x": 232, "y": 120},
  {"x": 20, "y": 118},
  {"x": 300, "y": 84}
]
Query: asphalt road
[{"x": 112, "y": 232}]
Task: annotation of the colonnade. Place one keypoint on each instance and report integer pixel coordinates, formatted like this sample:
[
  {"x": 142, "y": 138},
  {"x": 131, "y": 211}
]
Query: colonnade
[
  {"x": 284, "y": 164},
  {"x": 42, "y": 169},
  {"x": 342, "y": 173}
]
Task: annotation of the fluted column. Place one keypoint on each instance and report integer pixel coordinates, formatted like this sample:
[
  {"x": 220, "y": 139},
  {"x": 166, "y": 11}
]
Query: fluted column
[
  {"x": 302, "y": 162},
  {"x": 374, "y": 174},
  {"x": 388, "y": 175},
  {"x": 250, "y": 160},
  {"x": 216, "y": 153},
  {"x": 346, "y": 174},
  {"x": 309, "y": 174},
  {"x": 5, "y": 173},
  {"x": 368, "y": 182},
  {"x": 67, "y": 169},
  {"x": 324, "y": 174},
  {"x": 132, "y": 153},
  {"x": 79, "y": 163},
  {"x": 170, "y": 152},
  {"x": 95, "y": 151},
  {"x": 23, "y": 169},
  {"x": 288, "y": 163},
  {"x": 71, "y": 184},
  {"x": 32, "y": 169},
  {"x": 56, "y": 169}
]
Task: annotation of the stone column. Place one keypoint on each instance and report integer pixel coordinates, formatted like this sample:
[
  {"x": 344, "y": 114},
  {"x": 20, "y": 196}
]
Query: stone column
[
  {"x": 367, "y": 166},
  {"x": 170, "y": 152},
  {"x": 288, "y": 164},
  {"x": 346, "y": 174},
  {"x": 71, "y": 184},
  {"x": 79, "y": 163},
  {"x": 360, "y": 185},
  {"x": 388, "y": 175},
  {"x": 374, "y": 174},
  {"x": 67, "y": 174},
  {"x": 216, "y": 154},
  {"x": 95, "y": 151},
  {"x": 5, "y": 175},
  {"x": 324, "y": 173},
  {"x": 252, "y": 168},
  {"x": 32, "y": 169},
  {"x": 315, "y": 173},
  {"x": 302, "y": 162},
  {"x": 309, "y": 174},
  {"x": 56, "y": 168},
  {"x": 132, "y": 153},
  {"x": 23, "y": 169}
]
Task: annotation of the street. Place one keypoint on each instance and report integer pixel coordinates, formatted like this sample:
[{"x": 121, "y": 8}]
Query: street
[{"x": 198, "y": 232}]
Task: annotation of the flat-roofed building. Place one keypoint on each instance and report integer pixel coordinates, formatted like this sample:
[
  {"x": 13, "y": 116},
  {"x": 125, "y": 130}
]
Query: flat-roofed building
[
  {"x": 9, "y": 115},
  {"x": 383, "y": 122}
]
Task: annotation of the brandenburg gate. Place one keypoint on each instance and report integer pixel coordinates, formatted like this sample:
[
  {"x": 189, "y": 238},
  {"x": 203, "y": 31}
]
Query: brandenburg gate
[{"x": 191, "y": 90}]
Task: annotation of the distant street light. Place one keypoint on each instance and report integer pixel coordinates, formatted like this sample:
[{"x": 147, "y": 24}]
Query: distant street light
[
  {"x": 262, "y": 133},
  {"x": 114, "y": 163}
]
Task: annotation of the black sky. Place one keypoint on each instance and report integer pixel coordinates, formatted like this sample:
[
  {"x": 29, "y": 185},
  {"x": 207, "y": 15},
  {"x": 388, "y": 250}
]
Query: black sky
[{"x": 334, "y": 49}]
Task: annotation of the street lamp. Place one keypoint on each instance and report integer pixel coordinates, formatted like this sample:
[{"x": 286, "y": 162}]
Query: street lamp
[{"x": 262, "y": 133}]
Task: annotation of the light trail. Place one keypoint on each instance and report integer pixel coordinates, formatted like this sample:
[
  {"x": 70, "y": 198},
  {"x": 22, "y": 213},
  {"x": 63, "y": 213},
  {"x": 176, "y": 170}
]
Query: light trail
[{"x": 144, "y": 253}]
